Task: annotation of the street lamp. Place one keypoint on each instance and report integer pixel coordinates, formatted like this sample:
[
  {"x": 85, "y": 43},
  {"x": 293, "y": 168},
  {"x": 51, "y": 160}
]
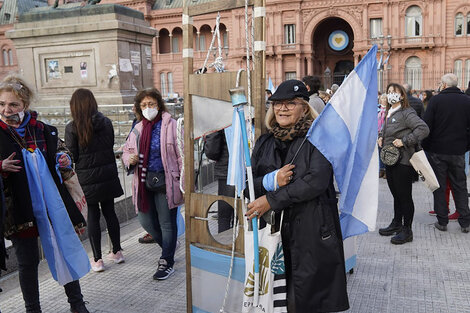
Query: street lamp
[{"x": 384, "y": 51}]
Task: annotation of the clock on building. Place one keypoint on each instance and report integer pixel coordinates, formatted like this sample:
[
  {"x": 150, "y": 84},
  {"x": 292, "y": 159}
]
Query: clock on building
[{"x": 338, "y": 40}]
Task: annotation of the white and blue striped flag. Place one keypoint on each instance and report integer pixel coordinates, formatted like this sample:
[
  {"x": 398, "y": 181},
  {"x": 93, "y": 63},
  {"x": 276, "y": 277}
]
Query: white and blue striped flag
[
  {"x": 346, "y": 134},
  {"x": 236, "y": 173}
]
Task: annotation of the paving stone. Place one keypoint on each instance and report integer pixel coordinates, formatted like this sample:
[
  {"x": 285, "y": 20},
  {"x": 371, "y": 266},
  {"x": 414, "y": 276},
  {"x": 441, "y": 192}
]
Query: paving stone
[{"x": 429, "y": 275}]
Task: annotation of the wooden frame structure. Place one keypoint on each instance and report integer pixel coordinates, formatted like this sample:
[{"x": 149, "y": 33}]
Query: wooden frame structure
[{"x": 215, "y": 86}]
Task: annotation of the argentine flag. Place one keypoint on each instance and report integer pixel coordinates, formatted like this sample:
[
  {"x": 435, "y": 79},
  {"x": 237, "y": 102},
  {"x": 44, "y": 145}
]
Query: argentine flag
[{"x": 346, "y": 134}]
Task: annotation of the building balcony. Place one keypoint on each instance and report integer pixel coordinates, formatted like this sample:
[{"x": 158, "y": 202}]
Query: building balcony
[{"x": 402, "y": 43}]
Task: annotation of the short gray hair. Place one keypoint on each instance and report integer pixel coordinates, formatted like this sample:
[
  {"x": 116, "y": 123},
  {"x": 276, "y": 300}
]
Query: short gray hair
[
  {"x": 450, "y": 80},
  {"x": 407, "y": 87}
]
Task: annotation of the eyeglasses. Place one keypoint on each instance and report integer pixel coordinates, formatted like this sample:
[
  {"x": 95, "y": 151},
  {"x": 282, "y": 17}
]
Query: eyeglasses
[
  {"x": 290, "y": 104},
  {"x": 147, "y": 104}
]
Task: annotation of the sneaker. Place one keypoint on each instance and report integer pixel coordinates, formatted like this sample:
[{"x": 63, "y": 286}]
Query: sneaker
[
  {"x": 164, "y": 271},
  {"x": 454, "y": 216},
  {"x": 433, "y": 213},
  {"x": 440, "y": 227},
  {"x": 97, "y": 266},
  {"x": 147, "y": 238},
  {"x": 465, "y": 229},
  {"x": 117, "y": 258},
  {"x": 79, "y": 308}
]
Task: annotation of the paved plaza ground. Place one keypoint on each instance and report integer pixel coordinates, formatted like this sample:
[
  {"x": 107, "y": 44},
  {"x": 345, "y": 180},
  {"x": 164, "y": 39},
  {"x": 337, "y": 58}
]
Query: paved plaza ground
[{"x": 431, "y": 274}]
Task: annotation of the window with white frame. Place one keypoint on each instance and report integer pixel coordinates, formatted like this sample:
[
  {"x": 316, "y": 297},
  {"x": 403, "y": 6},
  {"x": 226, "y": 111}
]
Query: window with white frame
[
  {"x": 413, "y": 72},
  {"x": 468, "y": 24},
  {"x": 413, "y": 22},
  {"x": 225, "y": 39},
  {"x": 458, "y": 72},
  {"x": 291, "y": 75},
  {"x": 202, "y": 43},
  {"x": 175, "y": 44},
  {"x": 375, "y": 27},
  {"x": 289, "y": 34},
  {"x": 163, "y": 84},
  {"x": 459, "y": 24},
  {"x": 170, "y": 83},
  {"x": 5, "y": 58},
  {"x": 10, "y": 56},
  {"x": 467, "y": 72}
]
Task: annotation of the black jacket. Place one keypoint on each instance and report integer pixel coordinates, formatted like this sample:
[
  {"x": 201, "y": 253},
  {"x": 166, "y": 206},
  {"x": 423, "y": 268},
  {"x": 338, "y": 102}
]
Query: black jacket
[
  {"x": 448, "y": 118},
  {"x": 416, "y": 104},
  {"x": 216, "y": 150},
  {"x": 95, "y": 164},
  {"x": 19, "y": 211},
  {"x": 311, "y": 229}
]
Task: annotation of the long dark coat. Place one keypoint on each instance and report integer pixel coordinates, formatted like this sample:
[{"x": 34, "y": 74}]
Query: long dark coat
[
  {"x": 95, "y": 164},
  {"x": 19, "y": 211},
  {"x": 311, "y": 224}
]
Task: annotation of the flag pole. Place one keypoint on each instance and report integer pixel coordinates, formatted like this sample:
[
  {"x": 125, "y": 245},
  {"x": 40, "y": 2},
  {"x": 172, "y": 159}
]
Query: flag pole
[{"x": 238, "y": 101}]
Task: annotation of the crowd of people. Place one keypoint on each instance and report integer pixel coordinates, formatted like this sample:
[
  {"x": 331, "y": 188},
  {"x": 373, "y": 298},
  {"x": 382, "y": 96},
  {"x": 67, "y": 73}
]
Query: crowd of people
[{"x": 291, "y": 178}]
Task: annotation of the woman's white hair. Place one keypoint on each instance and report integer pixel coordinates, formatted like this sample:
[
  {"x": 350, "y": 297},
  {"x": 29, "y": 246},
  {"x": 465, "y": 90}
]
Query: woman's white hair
[
  {"x": 450, "y": 80},
  {"x": 270, "y": 118}
]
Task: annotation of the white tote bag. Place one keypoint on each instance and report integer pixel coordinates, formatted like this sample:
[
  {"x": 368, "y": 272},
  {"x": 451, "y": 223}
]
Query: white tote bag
[
  {"x": 420, "y": 163},
  {"x": 272, "y": 286}
]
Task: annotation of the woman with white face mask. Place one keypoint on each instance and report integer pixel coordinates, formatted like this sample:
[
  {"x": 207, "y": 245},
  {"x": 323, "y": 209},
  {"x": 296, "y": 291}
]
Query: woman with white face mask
[
  {"x": 151, "y": 154},
  {"x": 402, "y": 129}
]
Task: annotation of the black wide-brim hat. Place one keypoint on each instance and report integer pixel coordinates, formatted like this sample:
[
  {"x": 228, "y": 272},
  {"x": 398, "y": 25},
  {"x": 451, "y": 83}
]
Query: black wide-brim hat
[{"x": 290, "y": 89}]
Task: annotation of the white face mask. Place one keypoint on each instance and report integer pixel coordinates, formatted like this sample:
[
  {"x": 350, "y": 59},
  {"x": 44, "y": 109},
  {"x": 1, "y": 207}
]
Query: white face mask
[
  {"x": 15, "y": 118},
  {"x": 150, "y": 113},
  {"x": 393, "y": 98}
]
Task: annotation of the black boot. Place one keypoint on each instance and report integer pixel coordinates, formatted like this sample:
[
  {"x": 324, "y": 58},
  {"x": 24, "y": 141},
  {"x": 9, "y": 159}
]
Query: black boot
[
  {"x": 393, "y": 228},
  {"x": 404, "y": 236}
]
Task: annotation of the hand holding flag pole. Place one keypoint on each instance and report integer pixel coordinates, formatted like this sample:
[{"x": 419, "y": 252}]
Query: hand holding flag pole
[{"x": 238, "y": 101}]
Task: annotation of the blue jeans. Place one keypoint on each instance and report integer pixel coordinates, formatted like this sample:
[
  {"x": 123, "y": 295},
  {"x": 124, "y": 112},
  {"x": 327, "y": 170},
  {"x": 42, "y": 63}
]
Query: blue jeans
[{"x": 160, "y": 222}]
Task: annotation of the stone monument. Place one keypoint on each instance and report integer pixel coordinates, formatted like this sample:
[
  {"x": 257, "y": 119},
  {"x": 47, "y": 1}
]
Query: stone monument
[{"x": 105, "y": 48}]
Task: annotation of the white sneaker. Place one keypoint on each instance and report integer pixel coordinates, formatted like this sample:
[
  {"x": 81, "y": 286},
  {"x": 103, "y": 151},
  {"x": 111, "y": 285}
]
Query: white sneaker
[
  {"x": 97, "y": 266},
  {"x": 116, "y": 258}
]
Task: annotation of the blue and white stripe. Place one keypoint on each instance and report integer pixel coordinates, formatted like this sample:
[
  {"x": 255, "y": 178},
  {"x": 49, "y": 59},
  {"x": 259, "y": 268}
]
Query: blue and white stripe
[{"x": 346, "y": 134}]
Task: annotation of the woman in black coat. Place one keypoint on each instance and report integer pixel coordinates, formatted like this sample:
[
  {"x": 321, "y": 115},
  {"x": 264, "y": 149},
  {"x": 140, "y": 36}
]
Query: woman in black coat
[
  {"x": 311, "y": 234},
  {"x": 21, "y": 133},
  {"x": 90, "y": 138}
]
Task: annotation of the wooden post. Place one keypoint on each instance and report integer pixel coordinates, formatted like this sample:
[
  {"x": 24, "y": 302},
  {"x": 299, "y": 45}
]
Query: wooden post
[
  {"x": 259, "y": 77},
  {"x": 188, "y": 143}
]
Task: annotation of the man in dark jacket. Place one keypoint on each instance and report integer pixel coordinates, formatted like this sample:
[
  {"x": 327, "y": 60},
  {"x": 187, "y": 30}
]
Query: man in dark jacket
[
  {"x": 414, "y": 102},
  {"x": 448, "y": 118},
  {"x": 216, "y": 149}
]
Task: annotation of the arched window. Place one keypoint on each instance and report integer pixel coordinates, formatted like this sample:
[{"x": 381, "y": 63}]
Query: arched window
[
  {"x": 164, "y": 41},
  {"x": 458, "y": 72},
  {"x": 163, "y": 84},
  {"x": 170, "y": 83},
  {"x": 5, "y": 58},
  {"x": 459, "y": 24},
  {"x": 413, "y": 72},
  {"x": 176, "y": 37},
  {"x": 10, "y": 56},
  {"x": 413, "y": 22},
  {"x": 468, "y": 24},
  {"x": 467, "y": 73}
]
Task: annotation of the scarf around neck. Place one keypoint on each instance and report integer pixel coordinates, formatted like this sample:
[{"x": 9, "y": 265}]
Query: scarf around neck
[
  {"x": 144, "y": 148},
  {"x": 298, "y": 130}
]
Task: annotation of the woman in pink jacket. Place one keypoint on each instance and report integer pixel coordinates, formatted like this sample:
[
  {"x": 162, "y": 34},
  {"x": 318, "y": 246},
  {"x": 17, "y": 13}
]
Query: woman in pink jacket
[{"x": 151, "y": 154}]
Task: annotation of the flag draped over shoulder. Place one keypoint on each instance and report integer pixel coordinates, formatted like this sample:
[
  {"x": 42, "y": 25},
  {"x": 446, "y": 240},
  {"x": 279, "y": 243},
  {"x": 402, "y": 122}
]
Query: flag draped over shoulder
[
  {"x": 346, "y": 134},
  {"x": 236, "y": 173}
]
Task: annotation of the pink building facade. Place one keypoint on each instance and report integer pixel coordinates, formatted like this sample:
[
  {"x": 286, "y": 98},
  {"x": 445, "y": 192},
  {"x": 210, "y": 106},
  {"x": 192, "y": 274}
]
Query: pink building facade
[{"x": 418, "y": 41}]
